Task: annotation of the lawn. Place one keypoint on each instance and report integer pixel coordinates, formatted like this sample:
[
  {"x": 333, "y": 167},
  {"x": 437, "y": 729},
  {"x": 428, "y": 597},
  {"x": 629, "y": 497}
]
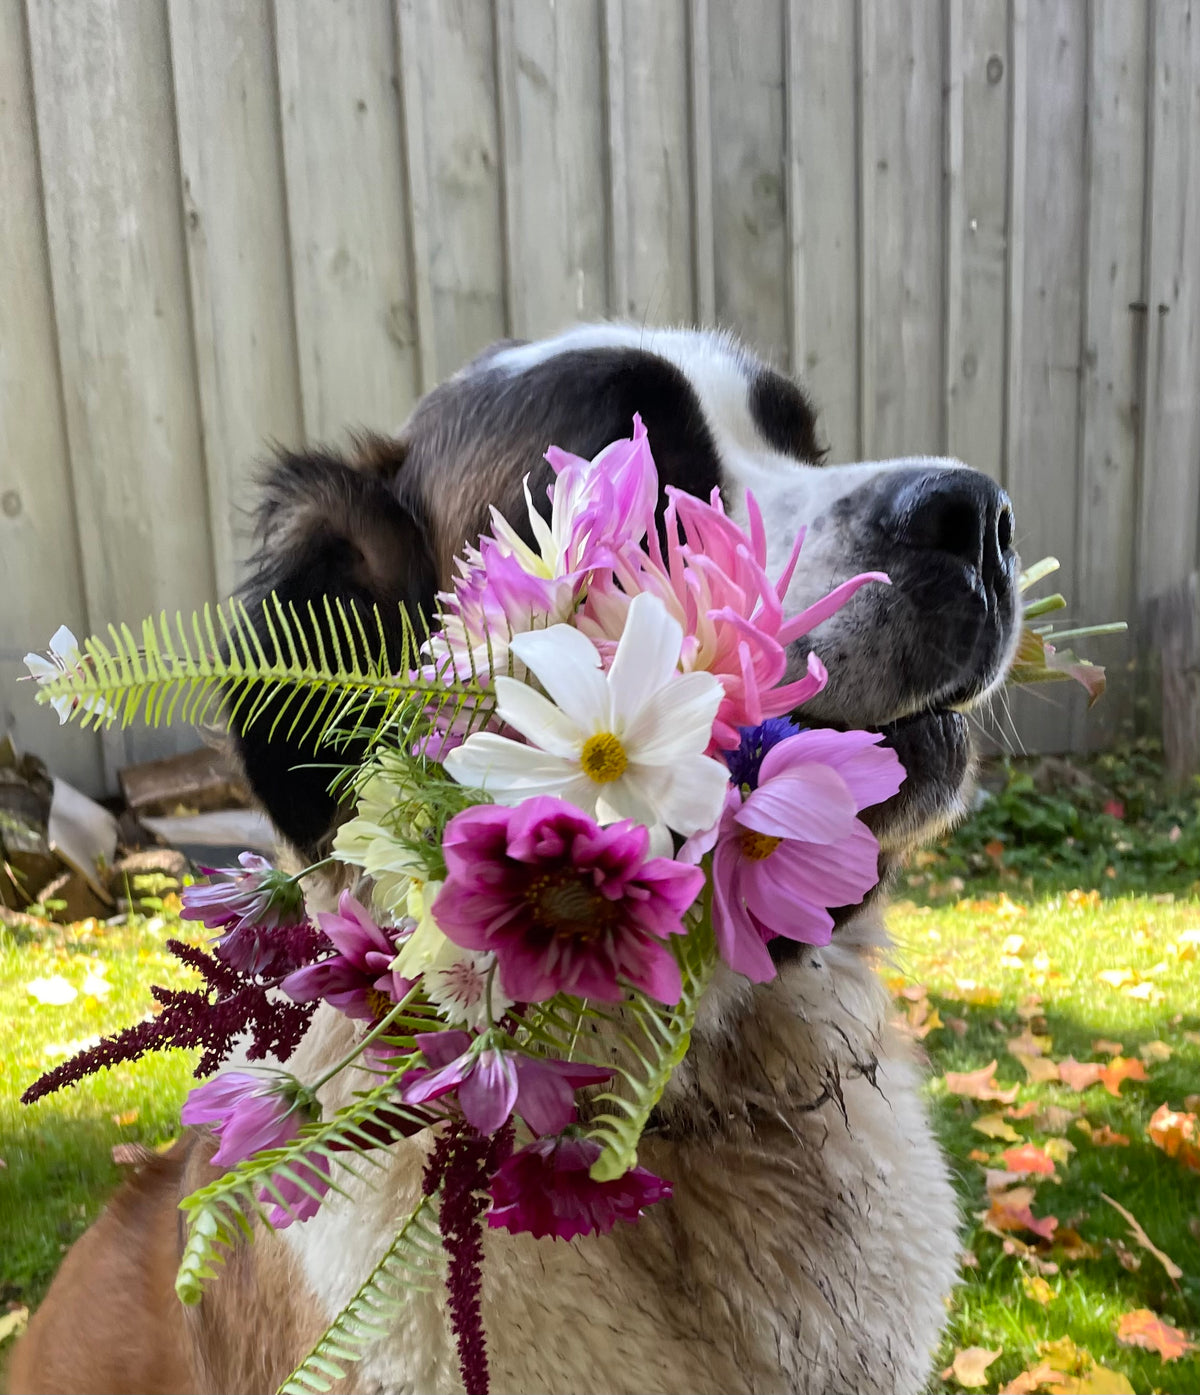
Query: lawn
[{"x": 1054, "y": 974}]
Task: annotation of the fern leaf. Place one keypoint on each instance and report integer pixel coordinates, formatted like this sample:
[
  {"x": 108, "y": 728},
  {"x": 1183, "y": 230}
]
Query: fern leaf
[
  {"x": 653, "y": 1043},
  {"x": 219, "y": 1215},
  {"x": 314, "y": 672},
  {"x": 410, "y": 1264}
]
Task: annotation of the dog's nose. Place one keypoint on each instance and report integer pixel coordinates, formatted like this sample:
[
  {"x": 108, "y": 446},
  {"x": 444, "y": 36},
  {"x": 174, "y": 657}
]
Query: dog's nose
[{"x": 955, "y": 511}]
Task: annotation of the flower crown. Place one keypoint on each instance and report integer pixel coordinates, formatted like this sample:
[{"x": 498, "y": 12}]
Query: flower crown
[{"x": 587, "y": 791}]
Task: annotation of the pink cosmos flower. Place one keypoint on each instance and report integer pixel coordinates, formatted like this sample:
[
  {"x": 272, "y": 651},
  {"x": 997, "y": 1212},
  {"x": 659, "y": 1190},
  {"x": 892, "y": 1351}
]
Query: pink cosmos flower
[
  {"x": 713, "y": 579},
  {"x": 492, "y": 1083},
  {"x": 565, "y": 905},
  {"x": 794, "y": 846},
  {"x": 358, "y": 980},
  {"x": 545, "y": 1189},
  {"x": 249, "y": 1113},
  {"x": 251, "y": 904}
]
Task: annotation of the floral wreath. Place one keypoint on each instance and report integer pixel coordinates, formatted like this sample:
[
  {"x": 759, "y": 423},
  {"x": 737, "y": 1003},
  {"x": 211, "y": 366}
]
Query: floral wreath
[{"x": 582, "y": 791}]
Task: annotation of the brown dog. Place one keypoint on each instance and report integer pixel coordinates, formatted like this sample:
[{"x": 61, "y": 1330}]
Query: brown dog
[{"x": 811, "y": 1240}]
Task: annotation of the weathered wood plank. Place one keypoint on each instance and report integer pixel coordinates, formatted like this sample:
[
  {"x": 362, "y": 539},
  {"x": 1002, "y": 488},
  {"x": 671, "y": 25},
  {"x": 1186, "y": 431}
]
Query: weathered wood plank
[
  {"x": 41, "y": 579},
  {"x": 1114, "y": 172},
  {"x": 554, "y": 162},
  {"x": 902, "y": 162},
  {"x": 356, "y": 318},
  {"x": 700, "y": 125},
  {"x": 824, "y": 236},
  {"x": 223, "y": 62},
  {"x": 1170, "y": 447},
  {"x": 656, "y": 225},
  {"x": 749, "y": 212},
  {"x": 105, "y": 122},
  {"x": 1045, "y": 436}
]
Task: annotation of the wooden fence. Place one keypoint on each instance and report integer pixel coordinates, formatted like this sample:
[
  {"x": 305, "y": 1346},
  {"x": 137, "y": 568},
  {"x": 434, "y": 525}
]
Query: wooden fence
[{"x": 972, "y": 225}]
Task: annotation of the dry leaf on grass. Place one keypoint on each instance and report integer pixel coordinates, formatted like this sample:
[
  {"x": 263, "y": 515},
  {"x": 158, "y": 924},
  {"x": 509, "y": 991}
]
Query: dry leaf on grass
[
  {"x": 1039, "y": 1070},
  {"x": 1145, "y": 1329},
  {"x": 126, "y": 1117},
  {"x": 979, "y": 1085},
  {"x": 1107, "y": 1048},
  {"x": 1105, "y": 1137},
  {"x": 969, "y": 1367},
  {"x": 1010, "y": 1211},
  {"x": 1155, "y": 1052},
  {"x": 1028, "y": 1158},
  {"x": 1135, "y": 1229},
  {"x": 1177, "y": 1134},
  {"x": 1080, "y": 1075},
  {"x": 977, "y": 1155},
  {"x": 1121, "y": 1068},
  {"x": 1037, "y": 1289},
  {"x": 995, "y": 1126}
]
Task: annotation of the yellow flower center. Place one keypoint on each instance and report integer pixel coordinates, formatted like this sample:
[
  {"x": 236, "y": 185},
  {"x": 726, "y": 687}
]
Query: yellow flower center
[
  {"x": 603, "y": 758},
  {"x": 379, "y": 1003},
  {"x": 756, "y": 846}
]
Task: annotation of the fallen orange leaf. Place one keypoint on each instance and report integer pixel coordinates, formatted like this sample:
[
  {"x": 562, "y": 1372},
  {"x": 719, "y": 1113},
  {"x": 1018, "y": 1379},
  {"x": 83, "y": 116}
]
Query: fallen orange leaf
[
  {"x": 1071, "y": 1245},
  {"x": 1142, "y": 1328},
  {"x": 969, "y": 1367},
  {"x": 977, "y": 1155},
  {"x": 1029, "y": 1158},
  {"x": 979, "y": 1085},
  {"x": 1121, "y": 1068},
  {"x": 1135, "y": 1229},
  {"x": 1059, "y": 1149},
  {"x": 1080, "y": 1075},
  {"x": 1105, "y": 1137},
  {"x": 1177, "y": 1134},
  {"x": 1010, "y": 1210},
  {"x": 1039, "y": 1070}
]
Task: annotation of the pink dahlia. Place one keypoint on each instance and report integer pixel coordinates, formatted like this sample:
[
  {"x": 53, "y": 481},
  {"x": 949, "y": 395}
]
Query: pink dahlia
[
  {"x": 714, "y": 581},
  {"x": 255, "y": 905},
  {"x": 565, "y": 905},
  {"x": 491, "y": 1083},
  {"x": 794, "y": 845},
  {"x": 546, "y": 1189},
  {"x": 249, "y": 1113},
  {"x": 359, "y": 979}
]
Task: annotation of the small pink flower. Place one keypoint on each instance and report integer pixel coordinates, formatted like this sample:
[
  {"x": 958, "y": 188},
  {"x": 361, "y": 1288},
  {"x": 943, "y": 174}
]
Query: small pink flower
[
  {"x": 794, "y": 846},
  {"x": 359, "y": 979},
  {"x": 545, "y": 1189},
  {"x": 565, "y": 905},
  {"x": 491, "y": 1083},
  {"x": 252, "y": 905},
  {"x": 250, "y": 1113}
]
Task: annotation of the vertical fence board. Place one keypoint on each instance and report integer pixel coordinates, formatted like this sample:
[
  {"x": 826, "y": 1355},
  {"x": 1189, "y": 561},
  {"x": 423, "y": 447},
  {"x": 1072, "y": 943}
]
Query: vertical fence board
[
  {"x": 822, "y": 122},
  {"x": 1042, "y": 471},
  {"x": 749, "y": 214},
  {"x": 450, "y": 78},
  {"x": 704, "y": 272},
  {"x": 554, "y": 162},
  {"x": 41, "y": 579},
  {"x": 977, "y": 228},
  {"x": 238, "y": 256},
  {"x": 1171, "y": 448},
  {"x": 355, "y": 314},
  {"x": 902, "y": 160},
  {"x": 658, "y": 225},
  {"x": 110, "y": 173},
  {"x": 1107, "y": 497}
]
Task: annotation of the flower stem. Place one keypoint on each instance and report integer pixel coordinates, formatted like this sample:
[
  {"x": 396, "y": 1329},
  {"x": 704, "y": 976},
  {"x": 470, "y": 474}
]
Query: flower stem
[{"x": 377, "y": 1031}]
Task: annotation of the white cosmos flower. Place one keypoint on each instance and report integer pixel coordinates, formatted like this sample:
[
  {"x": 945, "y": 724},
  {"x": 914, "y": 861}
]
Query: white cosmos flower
[
  {"x": 628, "y": 743},
  {"x": 64, "y": 658}
]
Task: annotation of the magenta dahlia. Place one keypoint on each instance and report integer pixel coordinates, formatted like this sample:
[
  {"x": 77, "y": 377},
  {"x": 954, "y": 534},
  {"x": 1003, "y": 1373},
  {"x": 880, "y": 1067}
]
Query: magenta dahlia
[
  {"x": 794, "y": 845},
  {"x": 565, "y": 905},
  {"x": 546, "y": 1189}
]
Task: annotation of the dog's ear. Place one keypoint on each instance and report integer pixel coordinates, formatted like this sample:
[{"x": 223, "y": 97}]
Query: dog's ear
[{"x": 327, "y": 528}]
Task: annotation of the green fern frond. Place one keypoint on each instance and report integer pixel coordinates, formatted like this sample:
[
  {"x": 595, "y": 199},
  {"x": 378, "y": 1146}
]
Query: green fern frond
[
  {"x": 654, "y": 1041},
  {"x": 220, "y": 1214},
  {"x": 315, "y": 672},
  {"x": 410, "y": 1264}
]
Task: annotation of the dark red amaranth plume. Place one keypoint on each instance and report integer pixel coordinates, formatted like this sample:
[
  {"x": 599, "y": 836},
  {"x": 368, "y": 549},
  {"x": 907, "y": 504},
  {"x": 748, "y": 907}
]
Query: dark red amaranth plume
[
  {"x": 462, "y": 1164},
  {"x": 212, "y": 1017}
]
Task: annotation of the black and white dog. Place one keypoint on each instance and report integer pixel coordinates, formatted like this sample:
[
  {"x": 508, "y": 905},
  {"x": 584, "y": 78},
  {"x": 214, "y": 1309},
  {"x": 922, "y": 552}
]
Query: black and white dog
[{"x": 812, "y": 1237}]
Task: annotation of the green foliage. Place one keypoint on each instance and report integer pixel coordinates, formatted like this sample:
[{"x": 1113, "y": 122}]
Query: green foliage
[
  {"x": 318, "y": 674},
  {"x": 410, "y": 1264},
  {"x": 220, "y": 1214},
  {"x": 1108, "y": 822}
]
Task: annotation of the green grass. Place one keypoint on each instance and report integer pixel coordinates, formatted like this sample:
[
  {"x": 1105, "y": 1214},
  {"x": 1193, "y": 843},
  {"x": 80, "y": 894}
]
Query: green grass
[
  {"x": 58, "y": 1153},
  {"x": 944, "y": 947}
]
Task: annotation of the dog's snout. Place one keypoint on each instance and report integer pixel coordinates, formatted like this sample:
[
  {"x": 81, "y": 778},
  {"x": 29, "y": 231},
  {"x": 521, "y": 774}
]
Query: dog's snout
[{"x": 957, "y": 512}]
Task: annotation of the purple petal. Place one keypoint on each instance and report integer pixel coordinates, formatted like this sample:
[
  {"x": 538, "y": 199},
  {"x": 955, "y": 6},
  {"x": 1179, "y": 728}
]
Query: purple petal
[
  {"x": 872, "y": 772},
  {"x": 808, "y": 802},
  {"x": 488, "y": 1093}
]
